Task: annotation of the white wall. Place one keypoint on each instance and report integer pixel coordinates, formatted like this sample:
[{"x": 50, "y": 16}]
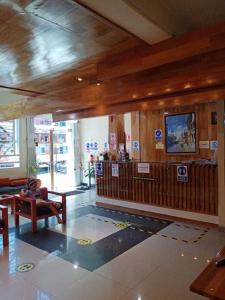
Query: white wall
[
  {"x": 22, "y": 170},
  {"x": 93, "y": 130},
  {"x": 127, "y": 129}
]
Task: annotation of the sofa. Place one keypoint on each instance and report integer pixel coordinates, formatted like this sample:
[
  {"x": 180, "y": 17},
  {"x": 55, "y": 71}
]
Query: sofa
[{"x": 12, "y": 186}]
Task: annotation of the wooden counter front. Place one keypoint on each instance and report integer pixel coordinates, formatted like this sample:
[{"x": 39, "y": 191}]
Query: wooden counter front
[
  {"x": 211, "y": 282},
  {"x": 161, "y": 188}
]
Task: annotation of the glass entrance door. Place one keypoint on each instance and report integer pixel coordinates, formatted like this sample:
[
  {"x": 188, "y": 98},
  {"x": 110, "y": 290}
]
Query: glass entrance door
[
  {"x": 55, "y": 153},
  {"x": 63, "y": 156}
]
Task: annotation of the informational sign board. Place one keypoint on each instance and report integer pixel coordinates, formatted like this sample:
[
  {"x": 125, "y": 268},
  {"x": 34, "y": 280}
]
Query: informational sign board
[
  {"x": 112, "y": 138},
  {"x": 106, "y": 146},
  {"x": 115, "y": 170},
  {"x": 91, "y": 146},
  {"x": 213, "y": 145},
  {"x": 128, "y": 138},
  {"x": 99, "y": 168},
  {"x": 158, "y": 135},
  {"x": 159, "y": 145},
  {"x": 204, "y": 144},
  {"x": 143, "y": 168},
  {"x": 182, "y": 173},
  {"x": 135, "y": 146}
]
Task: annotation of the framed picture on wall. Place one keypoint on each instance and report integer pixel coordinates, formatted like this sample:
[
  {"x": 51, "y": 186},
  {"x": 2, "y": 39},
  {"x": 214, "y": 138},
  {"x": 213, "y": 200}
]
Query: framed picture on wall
[{"x": 180, "y": 133}]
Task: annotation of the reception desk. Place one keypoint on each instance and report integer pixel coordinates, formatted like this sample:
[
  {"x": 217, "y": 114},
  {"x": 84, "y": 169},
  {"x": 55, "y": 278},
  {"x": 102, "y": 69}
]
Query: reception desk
[{"x": 198, "y": 192}]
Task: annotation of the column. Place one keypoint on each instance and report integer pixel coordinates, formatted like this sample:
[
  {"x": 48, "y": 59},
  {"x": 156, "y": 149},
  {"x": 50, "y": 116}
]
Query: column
[{"x": 221, "y": 161}]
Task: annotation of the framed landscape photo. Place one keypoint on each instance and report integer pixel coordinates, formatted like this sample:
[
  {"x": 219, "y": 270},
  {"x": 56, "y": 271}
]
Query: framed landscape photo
[{"x": 180, "y": 134}]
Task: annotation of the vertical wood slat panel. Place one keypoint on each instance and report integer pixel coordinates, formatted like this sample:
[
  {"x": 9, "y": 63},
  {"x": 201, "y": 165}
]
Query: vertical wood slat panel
[{"x": 199, "y": 194}]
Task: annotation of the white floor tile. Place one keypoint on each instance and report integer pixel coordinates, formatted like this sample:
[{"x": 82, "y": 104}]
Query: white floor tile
[{"x": 93, "y": 287}]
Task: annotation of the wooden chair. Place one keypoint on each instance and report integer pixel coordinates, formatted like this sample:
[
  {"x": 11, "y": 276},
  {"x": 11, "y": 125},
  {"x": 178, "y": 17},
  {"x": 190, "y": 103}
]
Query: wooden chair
[
  {"x": 27, "y": 208},
  {"x": 4, "y": 225}
]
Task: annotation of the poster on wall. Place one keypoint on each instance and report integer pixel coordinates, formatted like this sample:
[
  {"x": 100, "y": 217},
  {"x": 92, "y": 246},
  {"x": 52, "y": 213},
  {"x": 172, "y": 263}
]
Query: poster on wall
[
  {"x": 135, "y": 146},
  {"x": 143, "y": 168},
  {"x": 99, "y": 168},
  {"x": 180, "y": 132},
  {"x": 182, "y": 173},
  {"x": 115, "y": 170}
]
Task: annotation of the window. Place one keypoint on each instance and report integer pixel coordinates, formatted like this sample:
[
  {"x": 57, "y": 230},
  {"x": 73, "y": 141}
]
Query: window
[{"x": 9, "y": 144}]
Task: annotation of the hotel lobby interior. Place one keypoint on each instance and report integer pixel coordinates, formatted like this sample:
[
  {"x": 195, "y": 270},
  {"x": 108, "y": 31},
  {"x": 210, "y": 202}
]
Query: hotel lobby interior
[{"x": 112, "y": 150}]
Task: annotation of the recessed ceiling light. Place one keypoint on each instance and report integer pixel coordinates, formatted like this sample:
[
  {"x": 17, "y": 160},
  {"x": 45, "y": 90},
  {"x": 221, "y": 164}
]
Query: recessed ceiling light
[
  {"x": 150, "y": 94},
  {"x": 79, "y": 79},
  {"x": 187, "y": 86},
  {"x": 98, "y": 83},
  {"x": 209, "y": 81}
]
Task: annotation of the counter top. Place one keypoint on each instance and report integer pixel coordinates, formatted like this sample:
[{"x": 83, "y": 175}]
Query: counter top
[
  {"x": 211, "y": 282},
  {"x": 191, "y": 162}
]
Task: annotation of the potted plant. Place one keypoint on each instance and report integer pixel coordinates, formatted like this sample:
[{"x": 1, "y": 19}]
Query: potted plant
[{"x": 90, "y": 173}]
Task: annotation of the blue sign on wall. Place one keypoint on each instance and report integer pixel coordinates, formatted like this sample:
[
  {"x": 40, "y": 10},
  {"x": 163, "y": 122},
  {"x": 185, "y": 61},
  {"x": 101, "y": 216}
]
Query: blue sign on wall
[
  {"x": 135, "y": 146},
  {"x": 182, "y": 173},
  {"x": 91, "y": 146},
  {"x": 158, "y": 135},
  {"x": 99, "y": 168}
]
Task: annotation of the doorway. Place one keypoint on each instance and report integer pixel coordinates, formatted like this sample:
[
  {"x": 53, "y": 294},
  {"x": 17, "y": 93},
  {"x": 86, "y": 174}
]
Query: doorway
[{"x": 55, "y": 157}]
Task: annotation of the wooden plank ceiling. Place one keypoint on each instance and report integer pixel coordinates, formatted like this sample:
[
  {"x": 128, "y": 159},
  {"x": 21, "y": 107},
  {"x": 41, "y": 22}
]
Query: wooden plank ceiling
[{"x": 47, "y": 46}]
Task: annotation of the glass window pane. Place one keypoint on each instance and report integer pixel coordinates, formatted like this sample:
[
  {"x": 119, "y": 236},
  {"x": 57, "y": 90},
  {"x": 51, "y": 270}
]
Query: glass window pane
[{"x": 9, "y": 144}]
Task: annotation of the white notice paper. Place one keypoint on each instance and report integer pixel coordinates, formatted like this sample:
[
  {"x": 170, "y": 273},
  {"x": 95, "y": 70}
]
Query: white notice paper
[
  {"x": 115, "y": 170},
  {"x": 143, "y": 168}
]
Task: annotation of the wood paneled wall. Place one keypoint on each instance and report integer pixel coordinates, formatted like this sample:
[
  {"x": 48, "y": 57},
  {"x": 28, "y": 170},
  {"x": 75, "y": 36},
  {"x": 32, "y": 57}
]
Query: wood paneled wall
[
  {"x": 154, "y": 119},
  {"x": 116, "y": 125}
]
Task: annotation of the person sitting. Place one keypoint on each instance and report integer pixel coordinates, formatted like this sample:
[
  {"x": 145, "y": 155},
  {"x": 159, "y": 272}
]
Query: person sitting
[{"x": 33, "y": 191}]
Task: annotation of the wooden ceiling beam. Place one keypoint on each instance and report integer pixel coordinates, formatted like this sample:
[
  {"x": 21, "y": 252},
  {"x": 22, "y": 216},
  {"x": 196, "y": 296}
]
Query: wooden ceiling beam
[
  {"x": 210, "y": 94},
  {"x": 169, "y": 51}
]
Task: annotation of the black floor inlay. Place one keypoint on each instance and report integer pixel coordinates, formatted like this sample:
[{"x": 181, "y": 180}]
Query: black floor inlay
[{"x": 95, "y": 255}]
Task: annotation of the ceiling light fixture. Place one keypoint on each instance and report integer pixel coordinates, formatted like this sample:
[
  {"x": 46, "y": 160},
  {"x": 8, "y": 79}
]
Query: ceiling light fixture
[
  {"x": 187, "y": 86},
  {"x": 79, "y": 79},
  {"x": 98, "y": 83}
]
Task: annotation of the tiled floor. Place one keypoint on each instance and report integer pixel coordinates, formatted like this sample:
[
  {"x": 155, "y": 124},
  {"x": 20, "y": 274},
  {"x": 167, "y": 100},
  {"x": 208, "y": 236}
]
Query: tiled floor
[{"x": 127, "y": 257}]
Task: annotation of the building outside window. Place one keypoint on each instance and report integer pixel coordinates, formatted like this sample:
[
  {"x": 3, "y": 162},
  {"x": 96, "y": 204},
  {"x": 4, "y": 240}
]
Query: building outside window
[{"x": 9, "y": 144}]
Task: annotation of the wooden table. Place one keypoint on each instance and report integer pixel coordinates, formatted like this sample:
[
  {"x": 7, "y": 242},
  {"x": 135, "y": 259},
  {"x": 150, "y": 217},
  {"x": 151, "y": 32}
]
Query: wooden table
[
  {"x": 211, "y": 282},
  {"x": 7, "y": 199}
]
